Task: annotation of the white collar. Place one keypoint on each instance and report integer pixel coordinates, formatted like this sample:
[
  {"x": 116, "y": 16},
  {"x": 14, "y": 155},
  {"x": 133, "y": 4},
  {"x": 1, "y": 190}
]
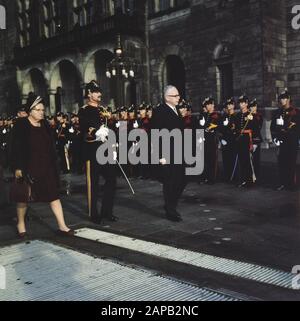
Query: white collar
[{"x": 173, "y": 108}]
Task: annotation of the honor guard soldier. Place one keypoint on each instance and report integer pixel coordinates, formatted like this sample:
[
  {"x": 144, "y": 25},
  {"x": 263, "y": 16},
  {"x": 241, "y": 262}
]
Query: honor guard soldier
[
  {"x": 183, "y": 109},
  {"x": 209, "y": 121},
  {"x": 109, "y": 118},
  {"x": 149, "y": 111},
  {"x": 245, "y": 124},
  {"x": 227, "y": 139},
  {"x": 5, "y": 140},
  {"x": 2, "y": 145},
  {"x": 285, "y": 128},
  {"x": 62, "y": 142},
  {"x": 94, "y": 133},
  {"x": 256, "y": 137},
  {"x": 75, "y": 139},
  {"x": 21, "y": 112},
  {"x": 144, "y": 124}
]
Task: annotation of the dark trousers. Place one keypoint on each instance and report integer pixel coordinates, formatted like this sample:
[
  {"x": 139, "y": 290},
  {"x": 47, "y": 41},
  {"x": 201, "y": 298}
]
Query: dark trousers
[
  {"x": 287, "y": 159},
  {"x": 229, "y": 155},
  {"x": 173, "y": 178},
  {"x": 93, "y": 172},
  {"x": 256, "y": 161},
  {"x": 243, "y": 146},
  {"x": 210, "y": 158},
  {"x": 77, "y": 164},
  {"x": 62, "y": 157}
]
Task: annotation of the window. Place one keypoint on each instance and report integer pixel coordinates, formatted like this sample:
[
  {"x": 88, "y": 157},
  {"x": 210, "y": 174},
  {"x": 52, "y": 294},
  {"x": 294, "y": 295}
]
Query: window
[{"x": 163, "y": 5}]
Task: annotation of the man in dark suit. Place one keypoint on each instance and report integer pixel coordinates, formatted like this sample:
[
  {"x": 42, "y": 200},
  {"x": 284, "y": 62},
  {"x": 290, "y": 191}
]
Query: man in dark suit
[{"x": 167, "y": 117}]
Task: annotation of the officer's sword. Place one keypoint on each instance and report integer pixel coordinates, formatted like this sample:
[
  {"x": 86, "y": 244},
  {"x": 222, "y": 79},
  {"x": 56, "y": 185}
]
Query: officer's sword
[
  {"x": 234, "y": 168},
  {"x": 252, "y": 167},
  {"x": 128, "y": 182}
]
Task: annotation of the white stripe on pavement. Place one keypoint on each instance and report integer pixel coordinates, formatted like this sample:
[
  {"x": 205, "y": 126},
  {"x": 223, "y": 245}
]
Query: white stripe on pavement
[
  {"x": 235, "y": 268},
  {"x": 41, "y": 271}
]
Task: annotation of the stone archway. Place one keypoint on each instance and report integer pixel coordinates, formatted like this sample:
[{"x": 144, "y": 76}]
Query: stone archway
[
  {"x": 174, "y": 73},
  {"x": 96, "y": 70},
  {"x": 223, "y": 60},
  {"x": 65, "y": 88}
]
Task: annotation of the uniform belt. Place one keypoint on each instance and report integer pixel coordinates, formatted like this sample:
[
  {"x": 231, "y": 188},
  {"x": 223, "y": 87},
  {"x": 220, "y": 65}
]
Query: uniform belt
[{"x": 90, "y": 141}]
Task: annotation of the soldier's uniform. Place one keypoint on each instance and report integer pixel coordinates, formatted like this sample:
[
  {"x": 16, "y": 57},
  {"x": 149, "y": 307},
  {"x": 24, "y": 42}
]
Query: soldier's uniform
[
  {"x": 257, "y": 137},
  {"x": 5, "y": 141},
  {"x": 75, "y": 138},
  {"x": 245, "y": 124},
  {"x": 62, "y": 143},
  {"x": 209, "y": 121},
  {"x": 145, "y": 125},
  {"x": 227, "y": 139},
  {"x": 285, "y": 128},
  {"x": 91, "y": 121},
  {"x": 1, "y": 144}
]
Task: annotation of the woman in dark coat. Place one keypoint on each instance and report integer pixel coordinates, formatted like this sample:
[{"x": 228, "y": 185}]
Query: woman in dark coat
[{"x": 33, "y": 155}]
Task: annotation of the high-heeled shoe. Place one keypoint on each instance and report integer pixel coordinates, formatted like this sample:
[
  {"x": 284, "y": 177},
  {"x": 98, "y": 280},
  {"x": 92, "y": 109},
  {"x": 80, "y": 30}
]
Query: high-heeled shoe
[
  {"x": 22, "y": 235},
  {"x": 66, "y": 233}
]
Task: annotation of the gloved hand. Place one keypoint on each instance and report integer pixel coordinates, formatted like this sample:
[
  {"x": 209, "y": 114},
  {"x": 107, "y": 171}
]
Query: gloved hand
[
  {"x": 71, "y": 130},
  {"x": 115, "y": 155},
  {"x": 250, "y": 117},
  {"x": 163, "y": 161},
  {"x": 201, "y": 140},
  {"x": 254, "y": 148},
  {"x": 202, "y": 121},
  {"x": 118, "y": 124},
  {"x": 223, "y": 142},
  {"x": 279, "y": 121},
  {"x": 277, "y": 142},
  {"x": 102, "y": 133},
  {"x": 135, "y": 124},
  {"x": 226, "y": 122}
]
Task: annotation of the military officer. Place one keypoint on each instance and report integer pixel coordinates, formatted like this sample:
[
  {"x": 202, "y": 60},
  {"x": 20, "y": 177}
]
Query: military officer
[
  {"x": 245, "y": 124},
  {"x": 285, "y": 128},
  {"x": 94, "y": 132},
  {"x": 227, "y": 139}
]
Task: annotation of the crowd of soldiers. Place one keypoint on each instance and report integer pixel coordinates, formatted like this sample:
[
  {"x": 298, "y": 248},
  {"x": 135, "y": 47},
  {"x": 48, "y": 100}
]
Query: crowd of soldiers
[{"x": 236, "y": 133}]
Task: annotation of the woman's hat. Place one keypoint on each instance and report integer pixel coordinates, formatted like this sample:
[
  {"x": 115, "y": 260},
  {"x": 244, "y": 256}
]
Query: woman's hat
[{"x": 32, "y": 101}]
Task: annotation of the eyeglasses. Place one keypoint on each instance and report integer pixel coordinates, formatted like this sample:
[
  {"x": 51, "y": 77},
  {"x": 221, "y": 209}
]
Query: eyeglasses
[
  {"x": 174, "y": 96},
  {"x": 39, "y": 110}
]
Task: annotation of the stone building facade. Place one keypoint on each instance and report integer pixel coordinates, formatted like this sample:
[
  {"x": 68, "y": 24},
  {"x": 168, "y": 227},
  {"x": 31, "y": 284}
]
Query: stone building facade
[
  {"x": 204, "y": 47},
  {"x": 56, "y": 47}
]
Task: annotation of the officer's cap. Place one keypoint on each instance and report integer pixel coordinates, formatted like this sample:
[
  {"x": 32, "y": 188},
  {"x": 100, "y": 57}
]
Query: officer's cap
[
  {"x": 284, "y": 95},
  {"x": 253, "y": 103},
  {"x": 208, "y": 101},
  {"x": 243, "y": 99},
  {"x": 92, "y": 87}
]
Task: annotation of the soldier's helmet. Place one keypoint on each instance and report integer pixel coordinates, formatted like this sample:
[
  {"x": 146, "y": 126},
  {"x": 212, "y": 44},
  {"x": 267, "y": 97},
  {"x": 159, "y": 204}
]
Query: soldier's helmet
[
  {"x": 182, "y": 104},
  {"x": 208, "y": 101},
  {"x": 123, "y": 109},
  {"x": 149, "y": 107},
  {"x": 229, "y": 101},
  {"x": 143, "y": 106},
  {"x": 92, "y": 87},
  {"x": 284, "y": 95},
  {"x": 244, "y": 99},
  {"x": 253, "y": 103},
  {"x": 32, "y": 101},
  {"x": 131, "y": 109},
  {"x": 21, "y": 108}
]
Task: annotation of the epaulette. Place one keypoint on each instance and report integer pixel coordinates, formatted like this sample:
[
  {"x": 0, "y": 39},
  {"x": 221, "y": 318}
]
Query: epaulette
[{"x": 84, "y": 106}]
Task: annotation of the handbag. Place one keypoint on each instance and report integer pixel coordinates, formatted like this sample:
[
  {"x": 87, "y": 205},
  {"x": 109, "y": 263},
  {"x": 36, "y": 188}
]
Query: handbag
[{"x": 21, "y": 190}]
